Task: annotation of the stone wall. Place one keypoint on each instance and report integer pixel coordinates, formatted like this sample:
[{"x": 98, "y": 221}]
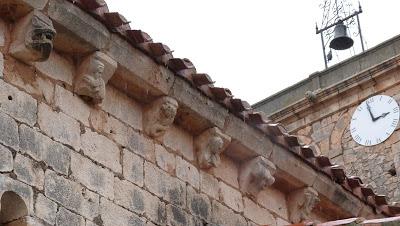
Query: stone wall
[
  {"x": 325, "y": 124},
  {"x": 96, "y": 133}
]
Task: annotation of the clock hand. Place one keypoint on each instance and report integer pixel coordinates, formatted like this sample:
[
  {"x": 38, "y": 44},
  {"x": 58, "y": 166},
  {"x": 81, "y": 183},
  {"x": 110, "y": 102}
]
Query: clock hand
[
  {"x": 382, "y": 116},
  {"x": 370, "y": 113}
]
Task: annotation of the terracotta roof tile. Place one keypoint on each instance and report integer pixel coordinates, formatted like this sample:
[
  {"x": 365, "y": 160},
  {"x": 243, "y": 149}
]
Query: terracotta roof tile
[{"x": 162, "y": 54}]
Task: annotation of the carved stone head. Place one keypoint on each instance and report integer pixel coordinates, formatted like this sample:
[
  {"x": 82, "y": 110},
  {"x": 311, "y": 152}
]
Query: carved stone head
[
  {"x": 33, "y": 38},
  {"x": 159, "y": 116},
  {"x": 209, "y": 145},
  {"x": 301, "y": 204},
  {"x": 93, "y": 73},
  {"x": 256, "y": 175}
]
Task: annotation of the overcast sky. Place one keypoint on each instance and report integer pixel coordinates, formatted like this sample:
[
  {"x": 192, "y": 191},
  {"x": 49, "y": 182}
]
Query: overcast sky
[{"x": 256, "y": 47}]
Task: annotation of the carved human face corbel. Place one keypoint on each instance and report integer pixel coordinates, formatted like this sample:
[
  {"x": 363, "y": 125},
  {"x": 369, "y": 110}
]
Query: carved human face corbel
[
  {"x": 159, "y": 116},
  {"x": 256, "y": 175},
  {"x": 92, "y": 76},
  {"x": 209, "y": 145},
  {"x": 32, "y": 38},
  {"x": 301, "y": 203}
]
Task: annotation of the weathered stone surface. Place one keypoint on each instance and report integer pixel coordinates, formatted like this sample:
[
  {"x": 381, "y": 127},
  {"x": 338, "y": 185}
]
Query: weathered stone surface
[
  {"x": 125, "y": 109},
  {"x": 35, "y": 4},
  {"x": 61, "y": 127},
  {"x": 67, "y": 218},
  {"x": 187, "y": 172},
  {"x": 231, "y": 197},
  {"x": 21, "y": 189},
  {"x": 209, "y": 185},
  {"x": 110, "y": 126},
  {"x": 198, "y": 204},
  {"x": 258, "y": 214},
  {"x": 6, "y": 160},
  {"x": 83, "y": 33},
  {"x": 71, "y": 195},
  {"x": 223, "y": 216},
  {"x": 57, "y": 68},
  {"x": 139, "y": 201},
  {"x": 42, "y": 148},
  {"x": 28, "y": 220},
  {"x": 10, "y": 138},
  {"x": 101, "y": 149},
  {"x": 1, "y": 62},
  {"x": 71, "y": 105},
  {"x": 112, "y": 215},
  {"x": 180, "y": 141},
  {"x": 164, "y": 185},
  {"x": 165, "y": 160},
  {"x": 177, "y": 216},
  {"x": 273, "y": 200},
  {"x": 92, "y": 176},
  {"x": 45, "y": 209},
  {"x": 29, "y": 171},
  {"x": 141, "y": 145},
  {"x": 133, "y": 168},
  {"x": 17, "y": 104},
  {"x": 228, "y": 171}
]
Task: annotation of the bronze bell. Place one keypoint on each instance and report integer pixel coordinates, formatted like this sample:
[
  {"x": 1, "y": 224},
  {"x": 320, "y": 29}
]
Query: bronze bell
[{"x": 341, "y": 40}]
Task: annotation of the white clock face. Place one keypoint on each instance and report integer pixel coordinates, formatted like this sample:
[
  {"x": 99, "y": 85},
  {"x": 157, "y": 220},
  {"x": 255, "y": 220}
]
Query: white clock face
[{"x": 374, "y": 120}]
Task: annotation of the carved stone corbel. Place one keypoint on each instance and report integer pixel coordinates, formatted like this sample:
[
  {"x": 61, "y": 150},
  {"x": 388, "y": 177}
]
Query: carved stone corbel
[
  {"x": 301, "y": 203},
  {"x": 92, "y": 76},
  {"x": 32, "y": 38},
  {"x": 159, "y": 116},
  {"x": 256, "y": 175},
  {"x": 209, "y": 145}
]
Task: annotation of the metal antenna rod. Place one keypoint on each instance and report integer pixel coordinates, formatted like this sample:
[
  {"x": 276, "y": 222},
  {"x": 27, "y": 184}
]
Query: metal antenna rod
[{"x": 359, "y": 27}]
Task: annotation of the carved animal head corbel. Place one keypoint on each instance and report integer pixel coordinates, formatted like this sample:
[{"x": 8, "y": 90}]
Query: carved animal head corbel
[
  {"x": 301, "y": 203},
  {"x": 209, "y": 145},
  {"x": 32, "y": 38},
  {"x": 92, "y": 76},
  {"x": 256, "y": 175},
  {"x": 159, "y": 116}
]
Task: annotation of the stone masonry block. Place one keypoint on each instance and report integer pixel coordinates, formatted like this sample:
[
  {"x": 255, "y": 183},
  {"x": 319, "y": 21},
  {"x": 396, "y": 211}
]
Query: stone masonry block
[
  {"x": 92, "y": 176},
  {"x": 198, "y": 204},
  {"x": 231, "y": 197},
  {"x": 180, "y": 141},
  {"x": 209, "y": 185},
  {"x": 33, "y": 4},
  {"x": 21, "y": 189},
  {"x": 227, "y": 171},
  {"x": 165, "y": 160},
  {"x": 141, "y": 145},
  {"x": 258, "y": 214},
  {"x": 139, "y": 201},
  {"x": 71, "y": 195},
  {"x": 6, "y": 160},
  {"x": 110, "y": 126},
  {"x": 59, "y": 126},
  {"x": 42, "y": 148},
  {"x": 67, "y": 218},
  {"x": 57, "y": 68},
  {"x": 102, "y": 150},
  {"x": 122, "y": 107},
  {"x": 27, "y": 220},
  {"x": 224, "y": 216},
  {"x": 133, "y": 168},
  {"x": 72, "y": 105},
  {"x": 178, "y": 217},
  {"x": 1, "y": 62},
  {"x": 29, "y": 171},
  {"x": 112, "y": 215},
  {"x": 10, "y": 138},
  {"x": 17, "y": 104},
  {"x": 45, "y": 209},
  {"x": 274, "y": 201},
  {"x": 187, "y": 172},
  {"x": 163, "y": 185}
]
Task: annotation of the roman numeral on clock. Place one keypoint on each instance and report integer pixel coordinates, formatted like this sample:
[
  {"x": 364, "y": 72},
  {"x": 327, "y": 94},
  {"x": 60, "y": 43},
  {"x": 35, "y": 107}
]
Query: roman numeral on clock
[
  {"x": 358, "y": 138},
  {"x": 396, "y": 109},
  {"x": 367, "y": 142},
  {"x": 394, "y": 122}
]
